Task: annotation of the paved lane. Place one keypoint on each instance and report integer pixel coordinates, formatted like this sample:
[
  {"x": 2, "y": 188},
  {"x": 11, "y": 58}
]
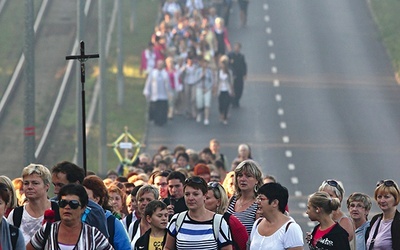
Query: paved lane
[{"x": 320, "y": 101}]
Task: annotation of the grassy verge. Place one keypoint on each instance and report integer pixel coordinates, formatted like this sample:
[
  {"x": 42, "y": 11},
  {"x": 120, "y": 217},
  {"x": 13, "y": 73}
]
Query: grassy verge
[
  {"x": 12, "y": 22},
  {"x": 386, "y": 14},
  {"x": 132, "y": 113}
]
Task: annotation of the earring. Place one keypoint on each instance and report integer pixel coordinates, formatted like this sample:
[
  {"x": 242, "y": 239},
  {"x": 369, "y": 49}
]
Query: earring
[
  {"x": 317, "y": 211},
  {"x": 255, "y": 189}
]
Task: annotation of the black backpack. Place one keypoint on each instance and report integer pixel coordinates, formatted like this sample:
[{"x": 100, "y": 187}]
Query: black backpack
[
  {"x": 14, "y": 234},
  {"x": 111, "y": 228}
]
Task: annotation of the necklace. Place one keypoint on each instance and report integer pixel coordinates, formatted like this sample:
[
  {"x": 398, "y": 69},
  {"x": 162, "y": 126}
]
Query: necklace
[{"x": 242, "y": 204}]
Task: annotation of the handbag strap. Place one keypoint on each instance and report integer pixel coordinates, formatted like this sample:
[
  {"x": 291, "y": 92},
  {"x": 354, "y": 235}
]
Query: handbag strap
[{"x": 371, "y": 245}]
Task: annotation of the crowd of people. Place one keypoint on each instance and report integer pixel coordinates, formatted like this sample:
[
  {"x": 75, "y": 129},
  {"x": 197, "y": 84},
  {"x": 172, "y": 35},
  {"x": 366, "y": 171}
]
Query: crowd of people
[
  {"x": 181, "y": 199},
  {"x": 189, "y": 59}
]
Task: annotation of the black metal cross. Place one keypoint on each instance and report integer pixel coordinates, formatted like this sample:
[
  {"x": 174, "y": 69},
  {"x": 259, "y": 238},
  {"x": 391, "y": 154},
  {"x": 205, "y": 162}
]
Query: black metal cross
[{"x": 82, "y": 58}]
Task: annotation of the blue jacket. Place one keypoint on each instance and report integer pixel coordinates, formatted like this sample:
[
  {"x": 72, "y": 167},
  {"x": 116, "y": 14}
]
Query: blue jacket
[{"x": 121, "y": 239}]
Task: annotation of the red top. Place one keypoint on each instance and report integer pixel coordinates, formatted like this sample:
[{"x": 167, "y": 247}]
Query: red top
[{"x": 319, "y": 233}]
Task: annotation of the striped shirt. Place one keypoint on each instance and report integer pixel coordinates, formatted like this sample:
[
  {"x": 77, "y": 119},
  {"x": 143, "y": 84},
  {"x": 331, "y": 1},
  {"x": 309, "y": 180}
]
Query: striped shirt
[
  {"x": 195, "y": 235},
  {"x": 90, "y": 239},
  {"x": 247, "y": 217}
]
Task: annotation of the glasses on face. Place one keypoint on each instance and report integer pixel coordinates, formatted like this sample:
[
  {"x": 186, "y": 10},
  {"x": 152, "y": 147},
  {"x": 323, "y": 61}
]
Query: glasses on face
[
  {"x": 387, "y": 183},
  {"x": 194, "y": 179},
  {"x": 358, "y": 206},
  {"x": 73, "y": 204},
  {"x": 332, "y": 183}
]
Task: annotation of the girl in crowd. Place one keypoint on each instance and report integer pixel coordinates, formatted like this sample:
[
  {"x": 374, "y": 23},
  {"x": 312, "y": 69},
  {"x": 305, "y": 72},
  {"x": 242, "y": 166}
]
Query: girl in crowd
[
  {"x": 117, "y": 200},
  {"x": 385, "y": 227},
  {"x": 217, "y": 201},
  {"x": 224, "y": 88},
  {"x": 229, "y": 184},
  {"x": 335, "y": 190},
  {"x": 5, "y": 239},
  {"x": 13, "y": 202},
  {"x": 195, "y": 231},
  {"x": 248, "y": 178},
  {"x": 275, "y": 230},
  {"x": 328, "y": 234}
]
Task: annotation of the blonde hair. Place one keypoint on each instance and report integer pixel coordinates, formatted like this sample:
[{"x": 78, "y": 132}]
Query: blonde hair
[
  {"x": 225, "y": 183},
  {"x": 323, "y": 200},
  {"x": 251, "y": 167},
  {"x": 38, "y": 169},
  {"x": 385, "y": 189},
  {"x": 220, "y": 194},
  {"x": 13, "y": 197}
]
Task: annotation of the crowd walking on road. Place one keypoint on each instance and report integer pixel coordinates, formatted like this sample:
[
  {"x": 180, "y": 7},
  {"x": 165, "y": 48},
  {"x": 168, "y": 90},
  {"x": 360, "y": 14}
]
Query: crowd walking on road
[{"x": 181, "y": 199}]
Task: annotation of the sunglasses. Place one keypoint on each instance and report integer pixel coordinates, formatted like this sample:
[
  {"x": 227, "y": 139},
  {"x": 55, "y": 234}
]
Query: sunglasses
[
  {"x": 194, "y": 179},
  {"x": 73, "y": 204},
  {"x": 332, "y": 183},
  {"x": 213, "y": 184},
  {"x": 387, "y": 183}
]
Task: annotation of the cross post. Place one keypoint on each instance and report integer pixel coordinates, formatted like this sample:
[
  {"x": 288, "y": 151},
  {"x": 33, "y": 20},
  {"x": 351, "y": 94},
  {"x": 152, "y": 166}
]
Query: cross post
[{"x": 82, "y": 58}]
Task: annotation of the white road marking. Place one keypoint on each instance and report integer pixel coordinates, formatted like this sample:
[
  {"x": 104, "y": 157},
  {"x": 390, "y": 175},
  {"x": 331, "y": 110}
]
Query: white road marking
[
  {"x": 294, "y": 180},
  {"x": 274, "y": 70},
  {"x": 272, "y": 56},
  {"x": 302, "y": 205},
  {"x": 285, "y": 139},
  {"x": 298, "y": 193},
  {"x": 281, "y": 111},
  {"x": 291, "y": 166},
  {"x": 288, "y": 153},
  {"x": 265, "y": 6},
  {"x": 276, "y": 83},
  {"x": 268, "y": 30},
  {"x": 266, "y": 19},
  {"x": 283, "y": 125},
  {"x": 270, "y": 43},
  {"x": 278, "y": 97}
]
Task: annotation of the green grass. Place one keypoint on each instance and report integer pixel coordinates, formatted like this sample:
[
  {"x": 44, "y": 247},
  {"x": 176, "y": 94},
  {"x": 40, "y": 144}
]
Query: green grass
[
  {"x": 12, "y": 38},
  {"x": 386, "y": 14},
  {"x": 132, "y": 112}
]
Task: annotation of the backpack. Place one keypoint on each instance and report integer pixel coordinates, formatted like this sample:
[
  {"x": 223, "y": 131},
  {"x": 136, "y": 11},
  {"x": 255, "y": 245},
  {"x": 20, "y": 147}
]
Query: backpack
[
  {"x": 217, "y": 220},
  {"x": 135, "y": 227},
  {"x": 111, "y": 228},
  {"x": 17, "y": 215},
  {"x": 128, "y": 220},
  {"x": 14, "y": 234}
]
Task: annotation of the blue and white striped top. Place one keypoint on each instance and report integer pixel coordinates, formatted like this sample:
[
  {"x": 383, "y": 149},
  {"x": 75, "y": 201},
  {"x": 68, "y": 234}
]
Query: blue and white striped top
[{"x": 196, "y": 235}]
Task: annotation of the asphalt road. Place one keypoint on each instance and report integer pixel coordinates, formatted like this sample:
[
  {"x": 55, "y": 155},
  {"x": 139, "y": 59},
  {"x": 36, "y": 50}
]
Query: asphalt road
[{"x": 320, "y": 101}]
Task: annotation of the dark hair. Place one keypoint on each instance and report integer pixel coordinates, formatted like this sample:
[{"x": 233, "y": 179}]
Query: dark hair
[
  {"x": 135, "y": 190},
  {"x": 74, "y": 189},
  {"x": 72, "y": 171},
  {"x": 4, "y": 193},
  {"x": 275, "y": 191},
  {"x": 122, "y": 179},
  {"x": 99, "y": 190},
  {"x": 152, "y": 206},
  {"x": 184, "y": 155},
  {"x": 176, "y": 175},
  {"x": 196, "y": 182},
  {"x": 207, "y": 151}
]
